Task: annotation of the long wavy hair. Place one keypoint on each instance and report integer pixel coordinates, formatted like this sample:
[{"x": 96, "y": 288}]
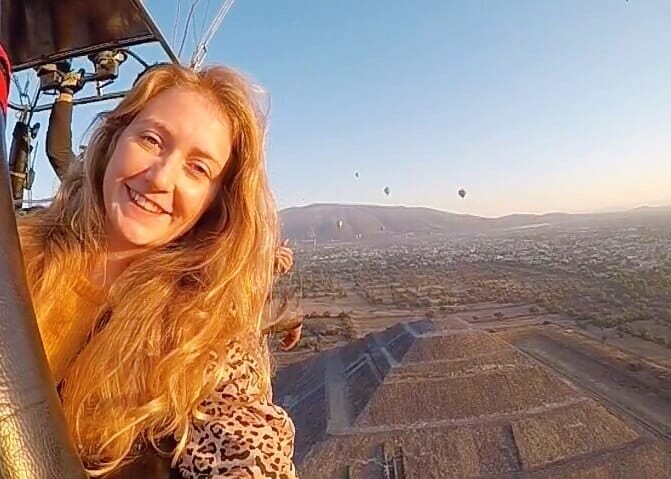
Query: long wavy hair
[{"x": 158, "y": 352}]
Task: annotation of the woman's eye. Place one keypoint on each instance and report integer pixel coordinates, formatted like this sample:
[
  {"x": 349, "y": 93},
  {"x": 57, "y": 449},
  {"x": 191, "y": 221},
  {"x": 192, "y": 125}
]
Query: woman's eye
[
  {"x": 200, "y": 170},
  {"x": 151, "y": 140}
]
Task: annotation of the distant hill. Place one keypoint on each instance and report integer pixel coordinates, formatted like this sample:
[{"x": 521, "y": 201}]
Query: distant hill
[{"x": 321, "y": 220}]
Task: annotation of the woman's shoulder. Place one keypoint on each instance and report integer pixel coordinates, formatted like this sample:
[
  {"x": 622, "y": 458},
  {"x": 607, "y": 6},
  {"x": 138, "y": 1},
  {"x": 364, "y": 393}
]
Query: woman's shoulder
[
  {"x": 32, "y": 235},
  {"x": 26, "y": 227},
  {"x": 245, "y": 435},
  {"x": 244, "y": 377},
  {"x": 33, "y": 246}
]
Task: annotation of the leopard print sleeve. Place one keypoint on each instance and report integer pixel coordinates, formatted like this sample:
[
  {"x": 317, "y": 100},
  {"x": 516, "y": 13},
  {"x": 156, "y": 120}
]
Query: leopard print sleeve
[{"x": 248, "y": 437}]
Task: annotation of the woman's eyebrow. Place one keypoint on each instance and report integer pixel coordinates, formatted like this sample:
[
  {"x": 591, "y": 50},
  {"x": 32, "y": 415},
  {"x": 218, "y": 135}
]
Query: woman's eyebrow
[
  {"x": 206, "y": 156},
  {"x": 158, "y": 124}
]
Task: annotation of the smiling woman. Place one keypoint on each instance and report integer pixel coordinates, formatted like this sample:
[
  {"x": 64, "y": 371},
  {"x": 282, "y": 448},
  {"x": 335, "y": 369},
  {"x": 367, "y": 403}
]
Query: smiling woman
[
  {"x": 159, "y": 180},
  {"x": 149, "y": 273}
]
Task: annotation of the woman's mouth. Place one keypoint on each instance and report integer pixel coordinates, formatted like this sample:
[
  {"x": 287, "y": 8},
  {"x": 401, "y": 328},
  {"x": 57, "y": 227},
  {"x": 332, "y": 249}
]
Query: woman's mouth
[{"x": 143, "y": 202}]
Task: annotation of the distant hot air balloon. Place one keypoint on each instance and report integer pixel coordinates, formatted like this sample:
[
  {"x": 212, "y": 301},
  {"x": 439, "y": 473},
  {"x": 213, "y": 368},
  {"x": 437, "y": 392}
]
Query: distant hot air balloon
[
  {"x": 387, "y": 190},
  {"x": 339, "y": 224},
  {"x": 382, "y": 228},
  {"x": 462, "y": 193},
  {"x": 356, "y": 174}
]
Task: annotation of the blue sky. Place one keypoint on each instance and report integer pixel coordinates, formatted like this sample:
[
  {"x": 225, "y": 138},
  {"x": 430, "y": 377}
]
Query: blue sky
[{"x": 532, "y": 106}]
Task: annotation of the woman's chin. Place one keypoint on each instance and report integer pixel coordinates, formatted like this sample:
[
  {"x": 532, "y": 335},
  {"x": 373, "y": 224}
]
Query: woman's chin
[
  {"x": 140, "y": 232},
  {"x": 135, "y": 236}
]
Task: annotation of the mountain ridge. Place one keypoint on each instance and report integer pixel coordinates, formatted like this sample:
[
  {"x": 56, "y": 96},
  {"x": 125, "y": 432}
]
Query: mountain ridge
[{"x": 321, "y": 220}]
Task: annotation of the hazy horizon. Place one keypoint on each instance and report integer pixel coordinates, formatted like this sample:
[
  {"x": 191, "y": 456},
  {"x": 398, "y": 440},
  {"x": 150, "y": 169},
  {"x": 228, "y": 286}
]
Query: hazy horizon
[
  {"x": 541, "y": 213},
  {"x": 532, "y": 107}
]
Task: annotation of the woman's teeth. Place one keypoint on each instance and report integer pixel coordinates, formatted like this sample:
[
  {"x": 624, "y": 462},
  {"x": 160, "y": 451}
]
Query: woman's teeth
[{"x": 143, "y": 202}]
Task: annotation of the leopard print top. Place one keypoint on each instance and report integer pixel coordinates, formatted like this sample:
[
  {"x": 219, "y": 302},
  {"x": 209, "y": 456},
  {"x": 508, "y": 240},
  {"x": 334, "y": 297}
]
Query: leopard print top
[{"x": 250, "y": 438}]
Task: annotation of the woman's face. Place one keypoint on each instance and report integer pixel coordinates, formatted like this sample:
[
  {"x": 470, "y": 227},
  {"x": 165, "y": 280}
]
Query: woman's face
[{"x": 165, "y": 170}]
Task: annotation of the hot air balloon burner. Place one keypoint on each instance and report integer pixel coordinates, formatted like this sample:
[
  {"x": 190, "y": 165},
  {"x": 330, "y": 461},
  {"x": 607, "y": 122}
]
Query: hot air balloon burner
[
  {"x": 51, "y": 74},
  {"x": 107, "y": 64}
]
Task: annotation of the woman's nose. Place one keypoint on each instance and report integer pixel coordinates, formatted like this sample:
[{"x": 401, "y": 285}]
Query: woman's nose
[{"x": 163, "y": 173}]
